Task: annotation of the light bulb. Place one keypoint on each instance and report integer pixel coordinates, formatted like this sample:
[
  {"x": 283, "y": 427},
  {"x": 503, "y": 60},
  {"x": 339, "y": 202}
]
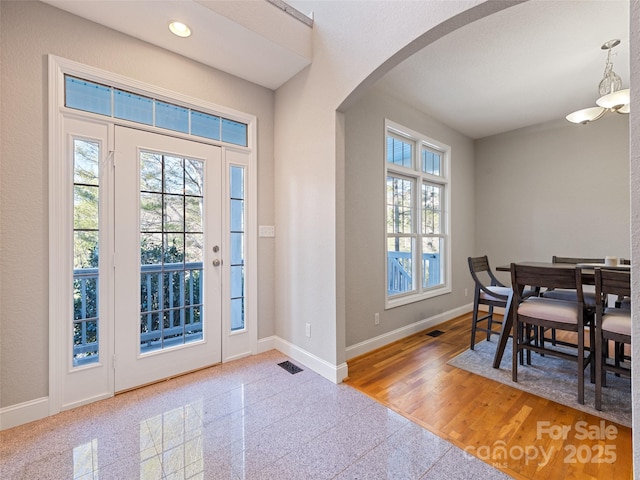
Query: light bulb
[{"x": 179, "y": 29}]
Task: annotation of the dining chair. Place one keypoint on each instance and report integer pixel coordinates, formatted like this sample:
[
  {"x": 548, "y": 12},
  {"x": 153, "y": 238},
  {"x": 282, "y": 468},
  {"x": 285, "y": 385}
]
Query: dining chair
[
  {"x": 489, "y": 291},
  {"x": 589, "y": 294},
  {"x": 611, "y": 325},
  {"x": 570, "y": 294},
  {"x": 624, "y": 301},
  {"x": 532, "y": 315}
]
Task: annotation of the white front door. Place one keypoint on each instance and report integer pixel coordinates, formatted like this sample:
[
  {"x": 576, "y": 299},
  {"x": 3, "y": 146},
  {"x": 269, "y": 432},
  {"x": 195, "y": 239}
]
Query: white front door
[{"x": 168, "y": 240}]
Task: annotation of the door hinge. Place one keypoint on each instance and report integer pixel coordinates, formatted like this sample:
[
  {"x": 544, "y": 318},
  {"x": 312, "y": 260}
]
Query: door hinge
[
  {"x": 114, "y": 361},
  {"x": 114, "y": 260}
]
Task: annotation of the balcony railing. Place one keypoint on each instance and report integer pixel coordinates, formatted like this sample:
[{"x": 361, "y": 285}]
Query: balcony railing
[
  {"x": 171, "y": 308},
  {"x": 399, "y": 280},
  {"x": 171, "y": 305},
  {"x": 85, "y": 315}
]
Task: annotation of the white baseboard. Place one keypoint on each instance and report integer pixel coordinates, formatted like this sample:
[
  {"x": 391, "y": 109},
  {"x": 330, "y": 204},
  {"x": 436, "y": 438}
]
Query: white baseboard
[
  {"x": 266, "y": 344},
  {"x": 25, "y": 412},
  {"x": 400, "y": 333},
  {"x": 331, "y": 372},
  {"x": 334, "y": 373},
  {"x": 85, "y": 401},
  {"x": 237, "y": 357},
  {"x": 39, "y": 408}
]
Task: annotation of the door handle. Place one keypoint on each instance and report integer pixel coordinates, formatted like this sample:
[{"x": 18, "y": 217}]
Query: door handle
[{"x": 217, "y": 263}]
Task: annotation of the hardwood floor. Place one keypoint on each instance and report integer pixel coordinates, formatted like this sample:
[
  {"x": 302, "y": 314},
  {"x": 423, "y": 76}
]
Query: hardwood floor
[{"x": 487, "y": 418}]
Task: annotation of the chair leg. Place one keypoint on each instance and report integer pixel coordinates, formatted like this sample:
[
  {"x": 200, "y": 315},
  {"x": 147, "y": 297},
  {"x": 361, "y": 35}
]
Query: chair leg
[
  {"x": 517, "y": 335},
  {"x": 619, "y": 354},
  {"x": 489, "y": 322},
  {"x": 528, "y": 332},
  {"x": 474, "y": 322},
  {"x": 581, "y": 367},
  {"x": 605, "y": 355},
  {"x": 592, "y": 355},
  {"x": 599, "y": 371}
]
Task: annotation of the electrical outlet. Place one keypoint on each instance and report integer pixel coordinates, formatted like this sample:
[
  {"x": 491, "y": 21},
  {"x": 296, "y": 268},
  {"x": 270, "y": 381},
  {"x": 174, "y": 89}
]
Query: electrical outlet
[
  {"x": 308, "y": 330},
  {"x": 267, "y": 231},
  {"x": 376, "y": 319}
]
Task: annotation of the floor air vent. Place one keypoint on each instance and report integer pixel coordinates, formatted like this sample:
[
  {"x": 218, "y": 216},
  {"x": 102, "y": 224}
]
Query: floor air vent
[
  {"x": 435, "y": 333},
  {"x": 290, "y": 367}
]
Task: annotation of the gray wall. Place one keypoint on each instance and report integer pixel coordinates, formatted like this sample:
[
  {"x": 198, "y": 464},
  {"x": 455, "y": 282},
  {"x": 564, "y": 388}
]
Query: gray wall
[
  {"x": 554, "y": 189},
  {"x": 365, "y": 221},
  {"x": 30, "y": 31}
]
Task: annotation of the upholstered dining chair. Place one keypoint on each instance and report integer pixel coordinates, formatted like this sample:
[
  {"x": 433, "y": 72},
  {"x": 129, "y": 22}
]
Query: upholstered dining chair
[
  {"x": 488, "y": 291},
  {"x": 611, "y": 325},
  {"x": 570, "y": 294},
  {"x": 589, "y": 294},
  {"x": 532, "y": 315},
  {"x": 623, "y": 301}
]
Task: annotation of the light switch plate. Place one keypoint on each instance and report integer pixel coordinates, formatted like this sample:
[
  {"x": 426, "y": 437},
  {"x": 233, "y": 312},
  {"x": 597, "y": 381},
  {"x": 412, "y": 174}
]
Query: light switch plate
[{"x": 267, "y": 231}]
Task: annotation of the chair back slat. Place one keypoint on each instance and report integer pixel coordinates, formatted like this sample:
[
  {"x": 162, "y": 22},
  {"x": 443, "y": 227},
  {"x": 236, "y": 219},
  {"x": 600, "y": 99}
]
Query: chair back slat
[
  {"x": 612, "y": 282},
  {"x": 522, "y": 275},
  {"x": 478, "y": 264},
  {"x": 575, "y": 260},
  {"x": 481, "y": 272},
  {"x": 545, "y": 278}
]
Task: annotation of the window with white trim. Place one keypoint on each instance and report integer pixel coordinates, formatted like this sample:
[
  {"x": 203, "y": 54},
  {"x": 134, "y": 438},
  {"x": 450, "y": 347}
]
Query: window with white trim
[
  {"x": 417, "y": 192},
  {"x": 81, "y": 94}
]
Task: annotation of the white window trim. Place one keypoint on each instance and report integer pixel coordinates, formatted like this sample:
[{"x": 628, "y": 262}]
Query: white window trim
[
  {"x": 419, "y": 140},
  {"x": 59, "y": 224}
]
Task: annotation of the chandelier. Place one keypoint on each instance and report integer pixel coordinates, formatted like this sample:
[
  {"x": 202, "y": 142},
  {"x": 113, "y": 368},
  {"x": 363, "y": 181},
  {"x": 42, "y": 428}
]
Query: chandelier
[{"x": 612, "y": 98}]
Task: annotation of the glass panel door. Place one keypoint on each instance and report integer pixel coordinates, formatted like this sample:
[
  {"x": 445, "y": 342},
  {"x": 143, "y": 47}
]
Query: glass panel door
[{"x": 168, "y": 274}]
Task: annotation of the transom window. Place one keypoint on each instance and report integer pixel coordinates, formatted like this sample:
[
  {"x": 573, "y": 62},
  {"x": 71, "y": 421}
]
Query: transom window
[
  {"x": 94, "y": 97},
  {"x": 417, "y": 216}
]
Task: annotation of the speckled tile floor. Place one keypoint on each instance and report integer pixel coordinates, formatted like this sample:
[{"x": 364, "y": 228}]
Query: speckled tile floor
[{"x": 247, "y": 419}]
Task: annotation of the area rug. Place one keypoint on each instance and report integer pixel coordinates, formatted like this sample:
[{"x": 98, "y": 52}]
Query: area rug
[{"x": 551, "y": 378}]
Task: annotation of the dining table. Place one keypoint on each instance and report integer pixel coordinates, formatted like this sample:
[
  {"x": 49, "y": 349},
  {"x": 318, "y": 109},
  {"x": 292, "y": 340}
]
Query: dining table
[{"x": 588, "y": 278}]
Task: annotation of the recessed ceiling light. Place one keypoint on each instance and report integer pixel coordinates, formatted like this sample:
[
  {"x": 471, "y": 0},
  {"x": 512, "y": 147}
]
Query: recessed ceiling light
[{"x": 179, "y": 29}]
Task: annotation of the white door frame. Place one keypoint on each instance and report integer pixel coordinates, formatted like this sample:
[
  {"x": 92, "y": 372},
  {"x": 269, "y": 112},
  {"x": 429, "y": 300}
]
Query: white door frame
[{"x": 234, "y": 345}]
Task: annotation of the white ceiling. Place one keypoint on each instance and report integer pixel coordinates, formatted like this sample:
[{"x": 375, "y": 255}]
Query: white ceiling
[
  {"x": 254, "y": 40},
  {"x": 531, "y": 63},
  {"x": 525, "y": 65}
]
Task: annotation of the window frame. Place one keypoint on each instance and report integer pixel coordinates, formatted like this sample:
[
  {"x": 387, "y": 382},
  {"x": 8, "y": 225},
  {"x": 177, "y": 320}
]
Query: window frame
[{"x": 419, "y": 178}]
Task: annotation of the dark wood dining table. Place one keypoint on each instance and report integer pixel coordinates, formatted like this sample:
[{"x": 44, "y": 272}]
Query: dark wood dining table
[{"x": 588, "y": 278}]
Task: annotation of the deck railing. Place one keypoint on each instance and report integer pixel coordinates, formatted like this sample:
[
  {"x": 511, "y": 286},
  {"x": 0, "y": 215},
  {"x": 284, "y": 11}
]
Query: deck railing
[
  {"x": 85, "y": 315},
  {"x": 399, "y": 280},
  {"x": 171, "y": 308},
  {"x": 171, "y": 315}
]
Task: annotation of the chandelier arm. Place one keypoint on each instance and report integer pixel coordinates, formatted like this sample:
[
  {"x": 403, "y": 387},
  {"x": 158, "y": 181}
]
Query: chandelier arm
[
  {"x": 612, "y": 97},
  {"x": 600, "y": 115}
]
